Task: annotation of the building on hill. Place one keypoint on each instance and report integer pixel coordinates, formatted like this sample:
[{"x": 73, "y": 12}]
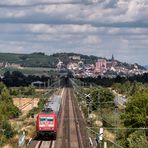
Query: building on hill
[
  {"x": 15, "y": 65},
  {"x": 113, "y": 61},
  {"x": 109, "y": 64},
  {"x": 81, "y": 65},
  {"x": 1, "y": 65},
  {"x": 72, "y": 66},
  {"x": 75, "y": 57},
  {"x": 100, "y": 65}
]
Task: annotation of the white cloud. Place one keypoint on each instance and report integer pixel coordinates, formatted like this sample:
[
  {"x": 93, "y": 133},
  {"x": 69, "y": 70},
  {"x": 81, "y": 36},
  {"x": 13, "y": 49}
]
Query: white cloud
[
  {"x": 124, "y": 44},
  {"x": 96, "y": 26},
  {"x": 134, "y": 8},
  {"x": 43, "y": 28},
  {"x": 92, "y": 40}
]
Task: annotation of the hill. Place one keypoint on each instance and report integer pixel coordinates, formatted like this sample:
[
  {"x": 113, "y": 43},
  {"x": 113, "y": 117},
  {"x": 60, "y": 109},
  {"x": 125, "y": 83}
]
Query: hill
[
  {"x": 39, "y": 59},
  {"x": 28, "y": 60},
  {"x": 42, "y": 60}
]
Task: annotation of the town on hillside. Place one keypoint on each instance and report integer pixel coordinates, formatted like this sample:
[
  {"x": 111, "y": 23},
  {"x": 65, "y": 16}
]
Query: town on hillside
[
  {"x": 109, "y": 68},
  {"x": 81, "y": 66}
]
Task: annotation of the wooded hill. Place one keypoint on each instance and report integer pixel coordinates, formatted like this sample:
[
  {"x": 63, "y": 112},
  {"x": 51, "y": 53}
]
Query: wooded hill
[{"x": 39, "y": 59}]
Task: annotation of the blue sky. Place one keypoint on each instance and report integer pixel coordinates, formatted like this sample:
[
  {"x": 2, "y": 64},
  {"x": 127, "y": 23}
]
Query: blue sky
[{"x": 93, "y": 27}]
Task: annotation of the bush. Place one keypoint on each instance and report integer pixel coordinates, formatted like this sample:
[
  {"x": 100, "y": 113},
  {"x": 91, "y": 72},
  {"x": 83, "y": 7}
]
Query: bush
[{"x": 8, "y": 131}]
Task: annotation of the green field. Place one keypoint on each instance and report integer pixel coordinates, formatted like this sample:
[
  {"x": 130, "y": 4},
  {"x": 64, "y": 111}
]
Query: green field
[
  {"x": 29, "y": 60},
  {"x": 30, "y": 70}
]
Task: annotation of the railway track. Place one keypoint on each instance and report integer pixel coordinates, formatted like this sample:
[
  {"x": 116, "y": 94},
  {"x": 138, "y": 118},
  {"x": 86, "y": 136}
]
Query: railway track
[
  {"x": 44, "y": 143},
  {"x": 66, "y": 128},
  {"x": 71, "y": 126},
  {"x": 72, "y": 135},
  {"x": 80, "y": 124},
  {"x": 79, "y": 137}
]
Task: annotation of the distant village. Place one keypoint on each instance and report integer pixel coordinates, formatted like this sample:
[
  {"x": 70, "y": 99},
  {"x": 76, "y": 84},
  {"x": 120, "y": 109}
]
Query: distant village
[
  {"x": 104, "y": 68},
  {"x": 109, "y": 68},
  {"x": 11, "y": 65}
]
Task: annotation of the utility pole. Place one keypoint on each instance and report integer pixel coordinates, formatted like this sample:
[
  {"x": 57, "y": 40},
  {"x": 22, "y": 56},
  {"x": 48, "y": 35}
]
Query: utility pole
[
  {"x": 59, "y": 83},
  {"x": 33, "y": 101},
  {"x": 101, "y": 136},
  {"x": 48, "y": 84},
  {"x": 88, "y": 101},
  {"x": 105, "y": 144},
  {"x": 116, "y": 124},
  {"x": 99, "y": 100},
  {"x": 20, "y": 99},
  {"x": 44, "y": 84},
  {"x": 146, "y": 125}
]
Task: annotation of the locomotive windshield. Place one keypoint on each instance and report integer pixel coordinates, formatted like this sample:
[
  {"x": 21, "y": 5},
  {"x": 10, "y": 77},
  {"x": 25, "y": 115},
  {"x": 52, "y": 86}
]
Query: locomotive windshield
[
  {"x": 44, "y": 119},
  {"x": 50, "y": 119}
]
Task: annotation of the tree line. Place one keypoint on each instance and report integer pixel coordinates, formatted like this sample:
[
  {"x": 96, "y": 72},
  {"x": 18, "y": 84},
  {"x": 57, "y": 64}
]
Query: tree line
[
  {"x": 7, "y": 111},
  {"x": 108, "y": 82},
  {"x": 16, "y": 79}
]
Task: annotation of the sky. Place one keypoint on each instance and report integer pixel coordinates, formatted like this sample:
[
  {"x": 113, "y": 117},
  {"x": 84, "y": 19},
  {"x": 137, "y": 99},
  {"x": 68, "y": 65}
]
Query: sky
[{"x": 92, "y": 27}]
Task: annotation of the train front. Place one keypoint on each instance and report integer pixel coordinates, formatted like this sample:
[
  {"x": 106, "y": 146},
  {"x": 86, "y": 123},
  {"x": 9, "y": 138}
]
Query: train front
[{"x": 46, "y": 125}]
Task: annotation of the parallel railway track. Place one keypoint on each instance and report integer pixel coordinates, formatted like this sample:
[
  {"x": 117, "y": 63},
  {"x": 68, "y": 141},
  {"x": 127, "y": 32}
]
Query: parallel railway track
[
  {"x": 40, "y": 143},
  {"x": 77, "y": 124},
  {"x": 66, "y": 129},
  {"x": 83, "y": 136},
  {"x": 71, "y": 126},
  {"x": 73, "y": 136},
  {"x": 44, "y": 144}
]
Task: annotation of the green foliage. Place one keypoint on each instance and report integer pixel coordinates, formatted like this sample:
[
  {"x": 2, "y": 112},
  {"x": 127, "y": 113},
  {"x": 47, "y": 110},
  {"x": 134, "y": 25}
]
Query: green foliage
[
  {"x": 8, "y": 131},
  {"x": 31, "y": 60},
  {"x": 130, "y": 88},
  {"x": 39, "y": 59},
  {"x": 41, "y": 103},
  {"x": 33, "y": 111},
  {"x": 5, "y": 95},
  {"x": 137, "y": 140},
  {"x": 98, "y": 95},
  {"x": 136, "y": 110},
  {"x": 135, "y": 113},
  {"x": 25, "y": 91},
  {"x": 2, "y": 86},
  {"x": 7, "y": 109}
]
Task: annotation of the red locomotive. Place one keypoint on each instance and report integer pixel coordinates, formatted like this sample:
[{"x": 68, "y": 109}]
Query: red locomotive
[{"x": 46, "y": 123}]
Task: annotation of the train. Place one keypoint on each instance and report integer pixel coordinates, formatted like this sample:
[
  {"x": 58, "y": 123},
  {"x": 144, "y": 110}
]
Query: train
[{"x": 47, "y": 120}]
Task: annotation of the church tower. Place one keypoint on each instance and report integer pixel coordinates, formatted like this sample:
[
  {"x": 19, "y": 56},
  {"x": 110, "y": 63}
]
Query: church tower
[{"x": 113, "y": 60}]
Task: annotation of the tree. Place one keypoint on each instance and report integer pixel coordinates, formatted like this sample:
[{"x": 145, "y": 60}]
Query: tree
[
  {"x": 137, "y": 139},
  {"x": 99, "y": 95},
  {"x": 8, "y": 132},
  {"x": 2, "y": 86},
  {"x": 7, "y": 108},
  {"x": 136, "y": 110}
]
